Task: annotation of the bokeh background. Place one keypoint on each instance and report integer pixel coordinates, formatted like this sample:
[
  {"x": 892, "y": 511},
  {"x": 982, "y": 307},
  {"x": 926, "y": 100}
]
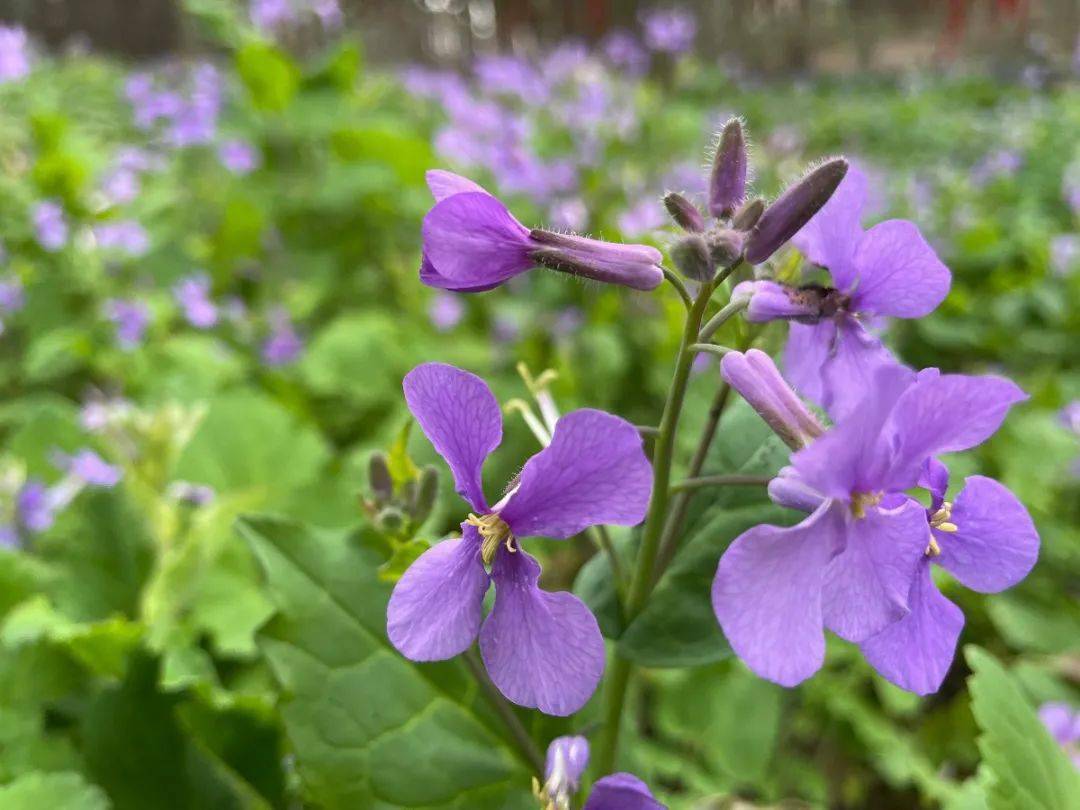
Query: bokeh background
[{"x": 210, "y": 213}]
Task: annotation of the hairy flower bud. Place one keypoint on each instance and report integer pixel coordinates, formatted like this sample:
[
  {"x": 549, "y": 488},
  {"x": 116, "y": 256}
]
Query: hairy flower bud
[
  {"x": 379, "y": 478},
  {"x": 691, "y": 256},
  {"x": 684, "y": 212},
  {"x": 755, "y": 376},
  {"x": 725, "y": 246},
  {"x": 390, "y": 520},
  {"x": 748, "y": 215},
  {"x": 423, "y": 499},
  {"x": 793, "y": 209},
  {"x": 770, "y": 301},
  {"x": 635, "y": 266},
  {"x": 727, "y": 186}
]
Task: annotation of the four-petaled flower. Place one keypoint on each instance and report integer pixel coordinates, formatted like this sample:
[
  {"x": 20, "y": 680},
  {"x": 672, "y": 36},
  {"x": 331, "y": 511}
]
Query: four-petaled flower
[
  {"x": 851, "y": 564},
  {"x": 473, "y": 243},
  {"x": 542, "y": 650}
]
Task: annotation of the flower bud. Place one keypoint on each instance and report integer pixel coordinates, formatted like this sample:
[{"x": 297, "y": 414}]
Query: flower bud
[
  {"x": 770, "y": 301},
  {"x": 790, "y": 490},
  {"x": 755, "y": 376},
  {"x": 725, "y": 246},
  {"x": 390, "y": 520},
  {"x": 727, "y": 186},
  {"x": 691, "y": 256},
  {"x": 748, "y": 215},
  {"x": 567, "y": 758},
  {"x": 684, "y": 212},
  {"x": 379, "y": 478},
  {"x": 423, "y": 500},
  {"x": 793, "y": 209},
  {"x": 635, "y": 266}
]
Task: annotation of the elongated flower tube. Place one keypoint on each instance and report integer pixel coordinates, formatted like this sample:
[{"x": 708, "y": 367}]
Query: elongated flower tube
[
  {"x": 852, "y": 564},
  {"x": 473, "y": 243},
  {"x": 755, "y": 376},
  {"x": 542, "y": 650}
]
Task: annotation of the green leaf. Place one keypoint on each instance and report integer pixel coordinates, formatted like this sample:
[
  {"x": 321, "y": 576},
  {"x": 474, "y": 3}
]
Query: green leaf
[
  {"x": 369, "y": 728},
  {"x": 386, "y": 144},
  {"x": 405, "y": 554},
  {"x": 402, "y": 468},
  {"x": 271, "y": 77},
  {"x": 55, "y": 791},
  {"x": 1027, "y": 768}
]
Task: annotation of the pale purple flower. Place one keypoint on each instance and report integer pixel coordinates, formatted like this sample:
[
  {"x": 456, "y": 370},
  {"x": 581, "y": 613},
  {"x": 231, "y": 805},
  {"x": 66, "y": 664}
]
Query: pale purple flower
[
  {"x": 563, "y": 61},
  {"x": 192, "y": 494},
  {"x": 641, "y": 218},
  {"x": 626, "y": 52},
  {"x": 51, "y": 226},
  {"x": 1063, "y": 723},
  {"x": 196, "y": 120},
  {"x": 123, "y": 236},
  {"x": 473, "y": 243},
  {"x": 131, "y": 318},
  {"x": 569, "y": 215},
  {"x": 542, "y": 650},
  {"x": 14, "y": 54},
  {"x": 511, "y": 75},
  {"x": 121, "y": 185},
  {"x": 193, "y": 296},
  {"x": 505, "y": 328},
  {"x": 1064, "y": 254},
  {"x": 445, "y": 311},
  {"x": 996, "y": 164},
  {"x": 669, "y": 30},
  {"x": 329, "y": 13},
  {"x": 1070, "y": 416},
  {"x": 270, "y": 15},
  {"x": 12, "y": 297},
  {"x": 889, "y": 270},
  {"x": 239, "y": 157},
  {"x": 89, "y": 468},
  {"x": 284, "y": 345},
  {"x": 567, "y": 758},
  {"x": 1070, "y": 187},
  {"x": 857, "y": 564},
  {"x": 34, "y": 508}
]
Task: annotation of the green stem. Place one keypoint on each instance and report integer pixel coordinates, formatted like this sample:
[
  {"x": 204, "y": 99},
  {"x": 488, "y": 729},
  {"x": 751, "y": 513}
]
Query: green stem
[
  {"x": 721, "y": 481},
  {"x": 602, "y": 538},
  {"x": 680, "y": 288},
  {"x": 521, "y": 737},
  {"x": 711, "y": 348},
  {"x": 642, "y": 581},
  {"x": 720, "y": 318}
]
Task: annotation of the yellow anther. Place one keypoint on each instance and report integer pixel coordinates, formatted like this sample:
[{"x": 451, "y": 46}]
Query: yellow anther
[
  {"x": 860, "y": 501},
  {"x": 942, "y": 517},
  {"x": 933, "y": 549},
  {"x": 493, "y": 532}
]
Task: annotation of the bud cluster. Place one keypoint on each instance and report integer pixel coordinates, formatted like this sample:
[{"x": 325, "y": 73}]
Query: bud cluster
[{"x": 399, "y": 509}]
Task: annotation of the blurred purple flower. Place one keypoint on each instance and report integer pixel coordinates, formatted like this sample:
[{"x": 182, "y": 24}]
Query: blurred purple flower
[
  {"x": 329, "y": 13},
  {"x": 34, "y": 509},
  {"x": 642, "y": 218},
  {"x": 51, "y": 226},
  {"x": 669, "y": 30},
  {"x": 1063, "y": 723},
  {"x": 124, "y": 236},
  {"x": 445, "y": 311},
  {"x": 626, "y": 53},
  {"x": 563, "y": 61},
  {"x": 189, "y": 493},
  {"x": 570, "y": 214},
  {"x": 121, "y": 185},
  {"x": 1070, "y": 416},
  {"x": 14, "y": 54},
  {"x": 90, "y": 468},
  {"x": 131, "y": 318},
  {"x": 1064, "y": 253},
  {"x": 785, "y": 140},
  {"x": 270, "y": 15},
  {"x": 12, "y": 297},
  {"x": 193, "y": 296},
  {"x": 284, "y": 345},
  {"x": 999, "y": 163},
  {"x": 196, "y": 120},
  {"x": 511, "y": 75},
  {"x": 239, "y": 157}
]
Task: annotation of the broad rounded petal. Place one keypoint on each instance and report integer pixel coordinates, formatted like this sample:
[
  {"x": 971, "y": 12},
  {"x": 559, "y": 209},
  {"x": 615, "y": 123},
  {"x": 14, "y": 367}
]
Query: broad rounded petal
[
  {"x": 866, "y": 585},
  {"x": 935, "y": 479},
  {"x": 445, "y": 184},
  {"x": 594, "y": 471},
  {"x": 767, "y": 595},
  {"x": 543, "y": 650},
  {"x": 945, "y": 413},
  {"x": 461, "y": 417},
  {"x": 995, "y": 544},
  {"x": 916, "y": 652},
  {"x": 829, "y": 239},
  {"x": 621, "y": 791},
  {"x": 473, "y": 240},
  {"x": 899, "y": 273},
  {"x": 808, "y": 347},
  {"x": 430, "y": 276},
  {"x": 436, "y": 607}
]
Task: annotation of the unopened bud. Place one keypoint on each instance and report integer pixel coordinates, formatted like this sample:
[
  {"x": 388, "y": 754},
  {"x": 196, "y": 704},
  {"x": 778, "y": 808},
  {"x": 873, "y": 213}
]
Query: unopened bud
[
  {"x": 748, "y": 215},
  {"x": 727, "y": 186},
  {"x": 635, "y": 266},
  {"x": 691, "y": 255},
  {"x": 755, "y": 376},
  {"x": 423, "y": 500},
  {"x": 770, "y": 301},
  {"x": 379, "y": 478},
  {"x": 725, "y": 246},
  {"x": 684, "y": 212},
  {"x": 793, "y": 209},
  {"x": 390, "y": 520},
  {"x": 790, "y": 490}
]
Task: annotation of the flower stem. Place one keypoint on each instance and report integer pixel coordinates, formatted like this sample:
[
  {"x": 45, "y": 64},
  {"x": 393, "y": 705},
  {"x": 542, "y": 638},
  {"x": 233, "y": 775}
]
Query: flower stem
[
  {"x": 680, "y": 288},
  {"x": 602, "y": 538},
  {"x": 520, "y": 735},
  {"x": 642, "y": 581},
  {"x": 721, "y": 317},
  {"x": 721, "y": 481}
]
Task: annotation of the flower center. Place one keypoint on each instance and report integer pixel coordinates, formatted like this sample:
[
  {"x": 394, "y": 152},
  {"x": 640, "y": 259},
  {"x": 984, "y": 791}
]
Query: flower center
[
  {"x": 493, "y": 532},
  {"x": 861, "y": 501},
  {"x": 942, "y": 521}
]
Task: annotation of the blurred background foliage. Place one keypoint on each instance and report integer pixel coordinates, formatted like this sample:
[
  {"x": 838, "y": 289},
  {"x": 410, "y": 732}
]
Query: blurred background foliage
[{"x": 209, "y": 279}]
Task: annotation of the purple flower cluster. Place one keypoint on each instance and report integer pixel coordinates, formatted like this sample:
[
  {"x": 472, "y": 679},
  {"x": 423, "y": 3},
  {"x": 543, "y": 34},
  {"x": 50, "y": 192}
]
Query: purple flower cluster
[
  {"x": 239, "y": 157},
  {"x": 541, "y": 649},
  {"x": 51, "y": 226},
  {"x": 669, "y": 30},
  {"x": 185, "y": 109},
  {"x": 274, "y": 16},
  {"x": 14, "y": 53},
  {"x": 284, "y": 344},
  {"x": 567, "y": 758},
  {"x": 192, "y": 294},
  {"x": 123, "y": 236},
  {"x": 130, "y": 318}
]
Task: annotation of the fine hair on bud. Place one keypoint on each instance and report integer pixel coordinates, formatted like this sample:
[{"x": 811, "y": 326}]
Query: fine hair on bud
[
  {"x": 379, "y": 478},
  {"x": 685, "y": 214},
  {"x": 427, "y": 491},
  {"x": 748, "y": 214},
  {"x": 692, "y": 258},
  {"x": 727, "y": 183}
]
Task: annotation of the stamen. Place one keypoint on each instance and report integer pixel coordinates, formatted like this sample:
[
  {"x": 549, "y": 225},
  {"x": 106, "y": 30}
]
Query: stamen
[
  {"x": 933, "y": 549},
  {"x": 941, "y": 519},
  {"x": 861, "y": 501},
  {"x": 493, "y": 532}
]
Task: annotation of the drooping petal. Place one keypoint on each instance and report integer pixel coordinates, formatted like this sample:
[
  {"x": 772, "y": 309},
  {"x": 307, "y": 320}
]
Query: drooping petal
[
  {"x": 435, "y": 610},
  {"x": 995, "y": 544},
  {"x": 622, "y": 791},
  {"x": 542, "y": 650},
  {"x": 830, "y": 238},
  {"x": 935, "y": 478},
  {"x": 945, "y": 413},
  {"x": 866, "y": 585},
  {"x": 808, "y": 347},
  {"x": 430, "y": 276},
  {"x": 899, "y": 273},
  {"x": 472, "y": 240},
  {"x": 767, "y": 595},
  {"x": 916, "y": 652},
  {"x": 461, "y": 417},
  {"x": 445, "y": 184},
  {"x": 594, "y": 471}
]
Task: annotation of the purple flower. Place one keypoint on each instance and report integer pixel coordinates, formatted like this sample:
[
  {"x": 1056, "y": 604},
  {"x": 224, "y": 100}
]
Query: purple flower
[
  {"x": 641, "y": 218},
  {"x": 131, "y": 318},
  {"x": 14, "y": 57},
  {"x": 889, "y": 270},
  {"x": 1000, "y": 163},
  {"x": 51, "y": 226},
  {"x": 90, "y": 468},
  {"x": 191, "y": 494},
  {"x": 445, "y": 311},
  {"x": 34, "y": 508},
  {"x": 284, "y": 345},
  {"x": 625, "y": 52},
  {"x": 239, "y": 157},
  {"x": 669, "y": 30},
  {"x": 1064, "y": 254},
  {"x": 570, "y": 215},
  {"x": 473, "y": 243},
  {"x": 269, "y": 15},
  {"x": 622, "y": 791},
  {"x": 1070, "y": 416},
  {"x": 542, "y": 650},
  {"x": 855, "y": 564},
  {"x": 511, "y": 75},
  {"x": 193, "y": 296},
  {"x": 12, "y": 297},
  {"x": 329, "y": 13},
  {"x": 567, "y": 758},
  {"x": 125, "y": 236},
  {"x": 1063, "y": 723},
  {"x": 986, "y": 539}
]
